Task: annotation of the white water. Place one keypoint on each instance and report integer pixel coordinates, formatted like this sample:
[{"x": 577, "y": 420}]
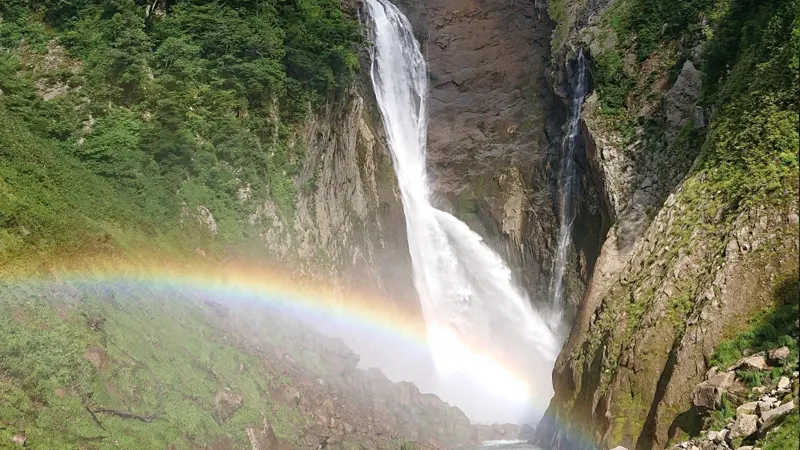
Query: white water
[
  {"x": 568, "y": 182},
  {"x": 493, "y": 353}
]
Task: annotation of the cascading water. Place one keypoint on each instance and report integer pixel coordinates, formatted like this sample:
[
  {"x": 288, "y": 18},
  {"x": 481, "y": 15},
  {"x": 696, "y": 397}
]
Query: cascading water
[
  {"x": 481, "y": 329},
  {"x": 568, "y": 187}
]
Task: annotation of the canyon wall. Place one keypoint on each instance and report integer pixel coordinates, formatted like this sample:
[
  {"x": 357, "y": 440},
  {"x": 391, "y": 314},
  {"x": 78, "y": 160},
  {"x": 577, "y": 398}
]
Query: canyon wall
[
  {"x": 494, "y": 128},
  {"x": 691, "y": 259}
]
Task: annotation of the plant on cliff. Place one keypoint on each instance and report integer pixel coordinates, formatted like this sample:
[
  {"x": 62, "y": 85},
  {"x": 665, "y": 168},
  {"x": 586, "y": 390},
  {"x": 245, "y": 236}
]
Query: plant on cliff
[
  {"x": 186, "y": 103},
  {"x": 115, "y": 120},
  {"x": 752, "y": 76}
]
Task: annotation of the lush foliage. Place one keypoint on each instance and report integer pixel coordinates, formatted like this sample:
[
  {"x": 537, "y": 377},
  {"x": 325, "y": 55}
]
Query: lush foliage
[
  {"x": 750, "y": 63},
  {"x": 751, "y": 67},
  {"x": 612, "y": 82},
  {"x": 189, "y": 103},
  {"x": 654, "y": 22}
]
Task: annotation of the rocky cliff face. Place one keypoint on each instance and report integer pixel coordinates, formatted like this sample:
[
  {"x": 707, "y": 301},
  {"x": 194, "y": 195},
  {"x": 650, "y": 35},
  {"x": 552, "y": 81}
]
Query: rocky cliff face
[
  {"x": 682, "y": 268},
  {"x": 489, "y": 131},
  {"x": 349, "y": 228}
]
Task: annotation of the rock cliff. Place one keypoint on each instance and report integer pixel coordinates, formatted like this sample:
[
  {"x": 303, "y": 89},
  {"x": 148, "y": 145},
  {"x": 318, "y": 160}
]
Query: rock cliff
[
  {"x": 688, "y": 261},
  {"x": 490, "y": 130},
  {"x": 349, "y": 228}
]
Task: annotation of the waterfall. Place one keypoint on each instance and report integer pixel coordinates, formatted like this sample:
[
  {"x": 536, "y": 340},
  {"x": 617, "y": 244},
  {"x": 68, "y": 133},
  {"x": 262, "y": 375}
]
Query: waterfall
[
  {"x": 568, "y": 187},
  {"x": 480, "y": 327}
]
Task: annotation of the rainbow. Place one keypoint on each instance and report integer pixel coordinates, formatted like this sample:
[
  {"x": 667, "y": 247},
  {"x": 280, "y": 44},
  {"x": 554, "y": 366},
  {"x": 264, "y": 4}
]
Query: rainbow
[
  {"x": 234, "y": 282},
  {"x": 228, "y": 282}
]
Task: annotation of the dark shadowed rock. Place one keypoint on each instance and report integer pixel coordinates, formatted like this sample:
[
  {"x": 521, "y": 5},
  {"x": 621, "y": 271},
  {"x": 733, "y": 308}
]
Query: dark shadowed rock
[{"x": 681, "y": 100}]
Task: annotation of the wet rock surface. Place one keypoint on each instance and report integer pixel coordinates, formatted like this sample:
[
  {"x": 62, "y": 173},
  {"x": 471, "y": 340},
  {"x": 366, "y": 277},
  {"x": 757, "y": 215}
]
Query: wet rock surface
[{"x": 488, "y": 134}]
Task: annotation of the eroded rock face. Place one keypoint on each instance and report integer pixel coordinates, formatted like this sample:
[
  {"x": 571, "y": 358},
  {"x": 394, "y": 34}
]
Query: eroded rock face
[
  {"x": 498, "y": 432},
  {"x": 680, "y": 102},
  {"x": 487, "y": 138},
  {"x": 265, "y": 439},
  {"x": 670, "y": 282},
  {"x": 349, "y": 227}
]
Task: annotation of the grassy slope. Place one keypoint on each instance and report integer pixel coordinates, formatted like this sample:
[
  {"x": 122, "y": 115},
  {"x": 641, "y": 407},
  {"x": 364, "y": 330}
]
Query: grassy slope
[
  {"x": 157, "y": 352},
  {"x": 64, "y": 346},
  {"x": 73, "y": 346}
]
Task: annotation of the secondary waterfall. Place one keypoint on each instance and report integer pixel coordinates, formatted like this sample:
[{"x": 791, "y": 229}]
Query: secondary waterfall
[
  {"x": 481, "y": 328},
  {"x": 568, "y": 187}
]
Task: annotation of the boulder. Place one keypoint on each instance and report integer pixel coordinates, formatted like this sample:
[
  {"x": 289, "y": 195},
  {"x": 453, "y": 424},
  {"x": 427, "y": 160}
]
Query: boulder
[
  {"x": 784, "y": 383},
  {"x": 19, "y": 439},
  {"x": 724, "y": 436},
  {"x": 747, "y": 408},
  {"x": 265, "y": 438},
  {"x": 226, "y": 404},
  {"x": 619, "y": 447},
  {"x": 745, "y": 447},
  {"x": 754, "y": 362},
  {"x": 778, "y": 356},
  {"x": 768, "y": 399},
  {"x": 713, "y": 446},
  {"x": 712, "y": 436},
  {"x": 759, "y": 389},
  {"x": 763, "y": 407},
  {"x": 708, "y": 394},
  {"x": 745, "y": 425},
  {"x": 775, "y": 416}
]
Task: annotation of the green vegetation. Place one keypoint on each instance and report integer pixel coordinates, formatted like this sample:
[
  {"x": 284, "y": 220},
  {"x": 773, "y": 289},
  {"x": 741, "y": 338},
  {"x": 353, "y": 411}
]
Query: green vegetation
[
  {"x": 116, "y": 121},
  {"x": 613, "y": 82},
  {"x": 133, "y": 348},
  {"x": 719, "y": 418},
  {"x": 771, "y": 329},
  {"x": 785, "y": 437},
  {"x": 655, "y": 22},
  {"x": 115, "y": 115},
  {"x": 752, "y": 75}
]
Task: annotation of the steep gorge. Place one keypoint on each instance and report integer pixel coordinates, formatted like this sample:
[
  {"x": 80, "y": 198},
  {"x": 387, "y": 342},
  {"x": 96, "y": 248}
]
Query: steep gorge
[
  {"x": 688, "y": 261},
  {"x": 672, "y": 252}
]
